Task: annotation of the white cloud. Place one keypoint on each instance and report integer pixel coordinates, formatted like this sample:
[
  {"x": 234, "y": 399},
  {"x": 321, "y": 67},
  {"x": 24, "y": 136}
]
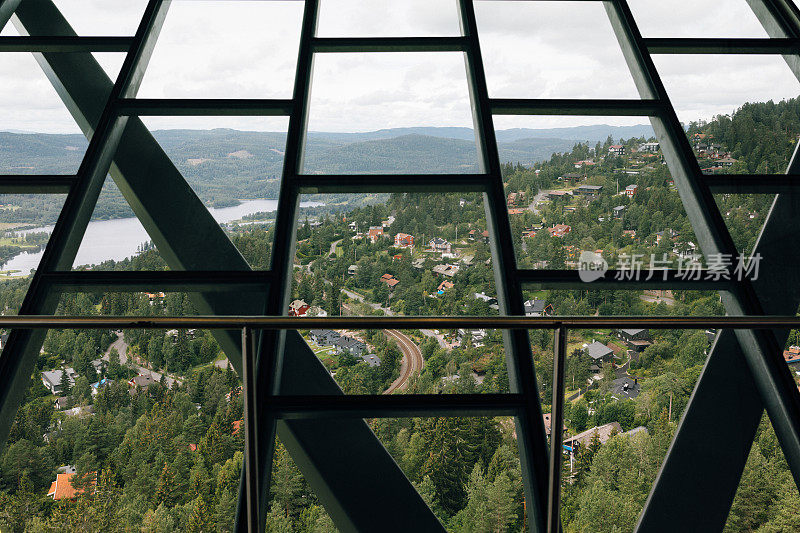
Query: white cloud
[{"x": 247, "y": 49}]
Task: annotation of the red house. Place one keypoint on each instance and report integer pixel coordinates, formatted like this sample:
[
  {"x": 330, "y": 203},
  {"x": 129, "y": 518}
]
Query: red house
[
  {"x": 298, "y": 308},
  {"x": 559, "y": 230},
  {"x": 374, "y": 233},
  {"x": 403, "y": 240}
]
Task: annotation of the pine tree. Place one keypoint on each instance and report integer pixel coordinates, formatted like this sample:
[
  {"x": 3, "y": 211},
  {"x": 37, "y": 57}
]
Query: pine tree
[
  {"x": 165, "y": 490},
  {"x": 200, "y": 519}
]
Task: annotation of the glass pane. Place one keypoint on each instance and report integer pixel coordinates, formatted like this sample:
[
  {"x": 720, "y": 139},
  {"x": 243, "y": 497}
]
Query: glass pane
[
  {"x": 102, "y": 17},
  {"x": 609, "y": 194},
  {"x": 225, "y": 49},
  {"x": 386, "y": 18},
  {"x": 740, "y": 110},
  {"x": 410, "y": 114},
  {"x": 551, "y": 50},
  {"x": 702, "y": 18},
  {"x": 37, "y": 133}
]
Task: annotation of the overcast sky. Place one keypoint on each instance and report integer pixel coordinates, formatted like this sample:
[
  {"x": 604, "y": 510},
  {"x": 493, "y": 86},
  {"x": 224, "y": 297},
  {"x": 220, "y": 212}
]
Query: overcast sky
[{"x": 247, "y": 49}]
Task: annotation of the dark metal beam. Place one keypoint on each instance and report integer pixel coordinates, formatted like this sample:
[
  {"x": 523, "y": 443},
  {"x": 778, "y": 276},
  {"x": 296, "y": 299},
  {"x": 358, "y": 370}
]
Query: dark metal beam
[
  {"x": 439, "y": 183},
  {"x": 36, "y": 183},
  {"x": 65, "y": 44},
  {"x": 238, "y": 321},
  {"x": 18, "y": 359},
  {"x": 556, "y": 423},
  {"x": 251, "y": 435},
  {"x": 7, "y": 8},
  {"x": 753, "y": 183},
  {"x": 565, "y": 106},
  {"x": 387, "y": 44},
  {"x": 203, "y": 107},
  {"x": 759, "y": 348},
  {"x": 167, "y": 280},
  {"x": 394, "y": 406},
  {"x": 722, "y": 46}
]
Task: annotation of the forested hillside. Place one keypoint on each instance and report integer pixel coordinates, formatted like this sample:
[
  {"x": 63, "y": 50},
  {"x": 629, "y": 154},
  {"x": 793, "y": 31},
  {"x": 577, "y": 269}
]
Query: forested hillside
[
  {"x": 168, "y": 457},
  {"x": 224, "y": 166}
]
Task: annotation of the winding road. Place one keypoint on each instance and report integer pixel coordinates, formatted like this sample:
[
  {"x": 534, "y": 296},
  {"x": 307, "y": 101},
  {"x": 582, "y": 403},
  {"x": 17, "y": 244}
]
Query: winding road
[{"x": 411, "y": 363}]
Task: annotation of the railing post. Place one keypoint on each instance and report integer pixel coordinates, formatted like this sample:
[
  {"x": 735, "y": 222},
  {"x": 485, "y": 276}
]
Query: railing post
[
  {"x": 251, "y": 471},
  {"x": 556, "y": 423}
]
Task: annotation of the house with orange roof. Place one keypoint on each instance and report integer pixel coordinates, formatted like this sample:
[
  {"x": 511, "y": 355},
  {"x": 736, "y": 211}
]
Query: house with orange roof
[
  {"x": 559, "y": 230},
  {"x": 63, "y": 489}
]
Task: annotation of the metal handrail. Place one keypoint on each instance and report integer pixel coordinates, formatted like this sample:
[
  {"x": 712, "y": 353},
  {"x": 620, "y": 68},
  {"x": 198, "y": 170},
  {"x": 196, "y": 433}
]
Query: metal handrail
[{"x": 395, "y": 322}]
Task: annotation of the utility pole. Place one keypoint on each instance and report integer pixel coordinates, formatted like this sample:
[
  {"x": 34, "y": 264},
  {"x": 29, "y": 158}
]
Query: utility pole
[{"x": 670, "y": 407}]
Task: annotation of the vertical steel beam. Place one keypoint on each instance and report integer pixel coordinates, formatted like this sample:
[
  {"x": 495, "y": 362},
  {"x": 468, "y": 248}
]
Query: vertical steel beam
[
  {"x": 519, "y": 358},
  {"x": 556, "y": 433},
  {"x": 340, "y": 484},
  {"x": 251, "y": 433}
]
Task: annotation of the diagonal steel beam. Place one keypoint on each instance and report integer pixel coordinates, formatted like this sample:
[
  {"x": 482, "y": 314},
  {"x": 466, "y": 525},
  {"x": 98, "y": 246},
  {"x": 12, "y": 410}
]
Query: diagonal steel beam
[
  {"x": 7, "y": 8},
  {"x": 757, "y": 352},
  {"x": 188, "y": 238},
  {"x": 18, "y": 361}
]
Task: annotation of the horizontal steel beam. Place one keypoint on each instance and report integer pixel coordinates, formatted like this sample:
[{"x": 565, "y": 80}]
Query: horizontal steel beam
[
  {"x": 394, "y": 406},
  {"x": 753, "y": 183},
  {"x": 166, "y": 280},
  {"x": 203, "y": 107},
  {"x": 722, "y": 46},
  {"x": 340, "y": 183},
  {"x": 755, "y": 322},
  {"x": 620, "y": 280},
  {"x": 568, "y": 106},
  {"x": 65, "y": 44},
  {"x": 36, "y": 183},
  {"x": 388, "y": 44}
]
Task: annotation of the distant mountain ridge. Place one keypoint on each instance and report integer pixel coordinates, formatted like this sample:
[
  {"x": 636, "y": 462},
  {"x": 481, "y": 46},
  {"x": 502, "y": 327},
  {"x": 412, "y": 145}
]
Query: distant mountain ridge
[{"x": 224, "y": 166}]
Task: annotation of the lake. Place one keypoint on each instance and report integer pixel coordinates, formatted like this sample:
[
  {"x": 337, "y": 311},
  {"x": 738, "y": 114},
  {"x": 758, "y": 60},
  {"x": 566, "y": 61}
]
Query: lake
[{"x": 120, "y": 238}]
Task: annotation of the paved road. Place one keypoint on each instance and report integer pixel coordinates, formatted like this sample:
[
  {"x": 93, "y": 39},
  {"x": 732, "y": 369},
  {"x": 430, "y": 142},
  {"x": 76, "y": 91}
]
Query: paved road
[
  {"x": 539, "y": 198},
  {"x": 412, "y": 362},
  {"x": 333, "y": 248},
  {"x": 439, "y": 338},
  {"x": 122, "y": 348},
  {"x": 355, "y": 296}
]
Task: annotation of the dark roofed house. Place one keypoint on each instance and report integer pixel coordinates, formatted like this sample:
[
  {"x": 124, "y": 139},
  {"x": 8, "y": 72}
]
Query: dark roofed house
[
  {"x": 588, "y": 190},
  {"x": 599, "y": 351},
  {"x": 371, "y": 359},
  {"x": 350, "y": 345},
  {"x": 625, "y": 388},
  {"x": 603, "y": 433},
  {"x": 534, "y": 307},
  {"x": 324, "y": 337},
  {"x": 637, "y": 339},
  {"x": 143, "y": 380}
]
